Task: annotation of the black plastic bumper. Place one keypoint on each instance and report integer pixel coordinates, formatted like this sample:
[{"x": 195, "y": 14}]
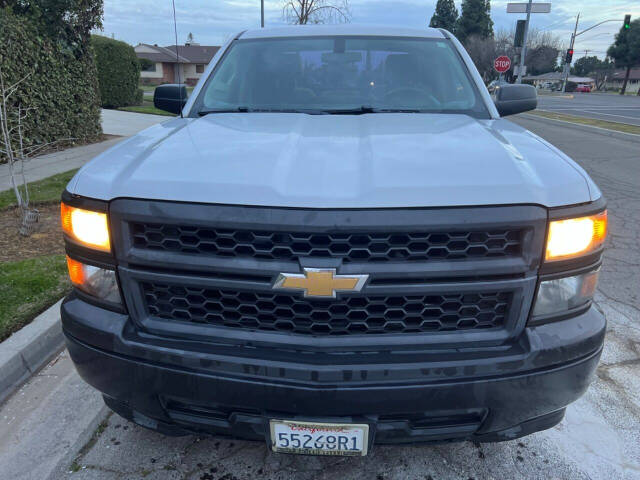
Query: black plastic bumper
[{"x": 488, "y": 394}]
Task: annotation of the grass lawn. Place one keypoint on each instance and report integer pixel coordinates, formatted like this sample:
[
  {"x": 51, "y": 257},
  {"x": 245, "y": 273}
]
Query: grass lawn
[
  {"x": 619, "y": 127},
  {"x": 33, "y": 271},
  {"x": 28, "y": 288},
  {"x": 46, "y": 190},
  {"x": 147, "y": 103},
  {"x": 146, "y": 107}
]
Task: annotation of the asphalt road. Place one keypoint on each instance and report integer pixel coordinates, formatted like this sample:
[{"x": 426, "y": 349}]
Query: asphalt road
[
  {"x": 601, "y": 106},
  {"x": 599, "y": 438}
]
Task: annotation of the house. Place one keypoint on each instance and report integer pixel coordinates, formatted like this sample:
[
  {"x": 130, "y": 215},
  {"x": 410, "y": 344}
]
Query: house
[
  {"x": 557, "y": 77},
  {"x": 166, "y": 66},
  {"x": 617, "y": 79}
]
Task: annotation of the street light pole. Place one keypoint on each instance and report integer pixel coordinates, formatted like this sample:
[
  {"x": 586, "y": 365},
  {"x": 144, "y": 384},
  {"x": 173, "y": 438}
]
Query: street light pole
[
  {"x": 262, "y": 13},
  {"x": 524, "y": 43}
]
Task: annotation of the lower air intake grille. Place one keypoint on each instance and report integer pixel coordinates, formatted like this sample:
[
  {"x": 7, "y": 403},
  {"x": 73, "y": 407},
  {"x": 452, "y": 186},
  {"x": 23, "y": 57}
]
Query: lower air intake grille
[{"x": 343, "y": 316}]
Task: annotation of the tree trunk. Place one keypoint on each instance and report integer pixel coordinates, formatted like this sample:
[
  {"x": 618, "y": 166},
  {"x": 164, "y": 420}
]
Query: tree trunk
[{"x": 626, "y": 79}]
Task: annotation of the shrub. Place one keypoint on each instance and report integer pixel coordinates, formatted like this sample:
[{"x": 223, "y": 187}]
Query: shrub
[
  {"x": 60, "y": 86},
  {"x": 118, "y": 72}
]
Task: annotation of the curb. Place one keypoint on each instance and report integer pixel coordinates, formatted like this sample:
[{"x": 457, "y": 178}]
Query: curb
[
  {"x": 75, "y": 450},
  {"x": 29, "y": 349},
  {"x": 632, "y": 137}
]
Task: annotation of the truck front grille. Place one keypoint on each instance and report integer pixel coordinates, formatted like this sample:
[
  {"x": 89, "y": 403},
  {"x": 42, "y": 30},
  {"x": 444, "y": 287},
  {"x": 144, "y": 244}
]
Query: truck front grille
[
  {"x": 350, "y": 247},
  {"x": 372, "y": 314}
]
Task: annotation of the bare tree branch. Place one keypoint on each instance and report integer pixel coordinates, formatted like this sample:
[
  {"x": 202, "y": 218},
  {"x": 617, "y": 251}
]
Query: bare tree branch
[{"x": 303, "y": 12}]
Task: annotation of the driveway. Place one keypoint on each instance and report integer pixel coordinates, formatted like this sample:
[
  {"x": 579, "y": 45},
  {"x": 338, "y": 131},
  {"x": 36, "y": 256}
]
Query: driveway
[{"x": 116, "y": 122}]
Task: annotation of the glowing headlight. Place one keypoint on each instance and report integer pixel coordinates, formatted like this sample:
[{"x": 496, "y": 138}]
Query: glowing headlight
[
  {"x": 86, "y": 227},
  {"x": 576, "y": 236}
]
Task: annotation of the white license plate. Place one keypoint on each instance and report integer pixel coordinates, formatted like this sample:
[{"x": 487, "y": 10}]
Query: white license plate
[{"x": 309, "y": 438}]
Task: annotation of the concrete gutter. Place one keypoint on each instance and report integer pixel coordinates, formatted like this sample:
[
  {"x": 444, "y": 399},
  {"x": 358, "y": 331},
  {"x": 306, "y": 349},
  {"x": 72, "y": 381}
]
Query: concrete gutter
[
  {"x": 632, "y": 137},
  {"x": 29, "y": 349}
]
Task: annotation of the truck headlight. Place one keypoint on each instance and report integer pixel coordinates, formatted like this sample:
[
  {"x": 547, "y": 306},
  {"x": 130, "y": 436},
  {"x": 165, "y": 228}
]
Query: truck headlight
[
  {"x": 564, "y": 294},
  {"x": 575, "y": 237},
  {"x": 95, "y": 281},
  {"x": 86, "y": 227}
]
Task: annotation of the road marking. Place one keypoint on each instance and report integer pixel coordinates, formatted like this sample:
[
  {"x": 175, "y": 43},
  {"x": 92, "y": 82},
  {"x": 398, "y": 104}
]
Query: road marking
[{"x": 613, "y": 115}]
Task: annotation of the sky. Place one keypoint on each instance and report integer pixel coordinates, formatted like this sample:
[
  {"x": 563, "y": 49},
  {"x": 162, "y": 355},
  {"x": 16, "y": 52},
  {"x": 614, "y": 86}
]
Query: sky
[{"x": 213, "y": 21}]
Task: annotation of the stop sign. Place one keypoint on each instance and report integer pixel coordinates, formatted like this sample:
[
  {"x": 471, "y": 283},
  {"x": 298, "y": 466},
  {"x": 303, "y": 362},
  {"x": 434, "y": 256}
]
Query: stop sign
[{"x": 502, "y": 64}]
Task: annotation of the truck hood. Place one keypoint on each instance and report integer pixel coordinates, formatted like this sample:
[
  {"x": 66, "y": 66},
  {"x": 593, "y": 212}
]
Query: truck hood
[{"x": 337, "y": 161}]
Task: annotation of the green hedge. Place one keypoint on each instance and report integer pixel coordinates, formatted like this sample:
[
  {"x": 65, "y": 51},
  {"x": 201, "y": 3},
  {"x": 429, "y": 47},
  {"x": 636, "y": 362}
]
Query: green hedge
[
  {"x": 61, "y": 87},
  {"x": 118, "y": 72}
]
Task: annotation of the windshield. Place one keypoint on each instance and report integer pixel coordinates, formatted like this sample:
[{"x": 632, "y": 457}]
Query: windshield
[{"x": 341, "y": 75}]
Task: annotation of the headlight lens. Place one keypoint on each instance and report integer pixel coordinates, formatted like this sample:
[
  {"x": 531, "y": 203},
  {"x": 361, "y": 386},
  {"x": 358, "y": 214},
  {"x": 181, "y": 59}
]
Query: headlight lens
[
  {"x": 86, "y": 227},
  {"x": 563, "y": 294},
  {"x": 97, "y": 282},
  {"x": 574, "y": 237}
]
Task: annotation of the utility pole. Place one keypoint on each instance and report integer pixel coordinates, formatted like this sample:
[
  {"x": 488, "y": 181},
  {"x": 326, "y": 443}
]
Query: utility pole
[
  {"x": 567, "y": 65},
  {"x": 262, "y": 13},
  {"x": 524, "y": 43}
]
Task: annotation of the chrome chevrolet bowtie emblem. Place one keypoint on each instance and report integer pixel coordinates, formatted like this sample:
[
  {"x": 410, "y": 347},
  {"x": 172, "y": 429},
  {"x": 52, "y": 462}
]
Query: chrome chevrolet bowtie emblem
[{"x": 320, "y": 282}]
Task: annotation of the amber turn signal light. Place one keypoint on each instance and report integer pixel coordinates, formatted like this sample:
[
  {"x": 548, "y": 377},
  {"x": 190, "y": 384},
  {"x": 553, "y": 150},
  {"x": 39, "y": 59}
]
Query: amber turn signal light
[
  {"x": 575, "y": 237},
  {"x": 87, "y": 227}
]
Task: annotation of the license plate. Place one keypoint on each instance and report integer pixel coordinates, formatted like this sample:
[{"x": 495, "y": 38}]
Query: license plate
[{"x": 307, "y": 438}]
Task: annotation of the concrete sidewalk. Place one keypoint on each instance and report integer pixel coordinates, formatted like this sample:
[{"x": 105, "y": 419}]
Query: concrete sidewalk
[
  {"x": 114, "y": 122},
  {"x": 57, "y": 162}
]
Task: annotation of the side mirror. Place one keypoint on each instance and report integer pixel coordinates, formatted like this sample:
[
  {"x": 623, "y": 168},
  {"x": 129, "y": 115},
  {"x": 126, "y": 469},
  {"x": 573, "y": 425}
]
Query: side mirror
[
  {"x": 512, "y": 99},
  {"x": 170, "y": 98}
]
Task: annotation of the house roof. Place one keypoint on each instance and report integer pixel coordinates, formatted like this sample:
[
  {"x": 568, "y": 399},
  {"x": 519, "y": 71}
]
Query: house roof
[
  {"x": 621, "y": 72},
  {"x": 194, "y": 53},
  {"x": 557, "y": 76},
  {"x": 186, "y": 53}
]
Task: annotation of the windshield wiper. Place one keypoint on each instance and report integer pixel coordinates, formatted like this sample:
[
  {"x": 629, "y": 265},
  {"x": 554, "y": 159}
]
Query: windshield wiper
[
  {"x": 351, "y": 111},
  {"x": 369, "y": 109},
  {"x": 243, "y": 109},
  {"x": 205, "y": 111}
]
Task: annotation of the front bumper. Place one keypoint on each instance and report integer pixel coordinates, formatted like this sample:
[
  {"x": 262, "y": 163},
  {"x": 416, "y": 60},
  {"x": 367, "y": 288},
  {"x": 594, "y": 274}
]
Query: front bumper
[{"x": 482, "y": 394}]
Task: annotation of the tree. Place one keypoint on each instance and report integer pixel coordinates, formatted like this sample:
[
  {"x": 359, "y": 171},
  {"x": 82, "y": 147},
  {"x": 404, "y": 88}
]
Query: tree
[
  {"x": 587, "y": 65},
  {"x": 118, "y": 72},
  {"x": 445, "y": 15},
  {"x": 541, "y": 59},
  {"x": 302, "y": 12},
  {"x": 475, "y": 20},
  {"x": 70, "y": 21},
  {"x": 625, "y": 51},
  {"x": 483, "y": 52}
]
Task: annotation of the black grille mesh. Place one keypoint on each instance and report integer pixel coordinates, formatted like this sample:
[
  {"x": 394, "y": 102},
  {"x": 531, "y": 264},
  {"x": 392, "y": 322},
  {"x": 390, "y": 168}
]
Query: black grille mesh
[
  {"x": 350, "y": 247},
  {"x": 342, "y": 316}
]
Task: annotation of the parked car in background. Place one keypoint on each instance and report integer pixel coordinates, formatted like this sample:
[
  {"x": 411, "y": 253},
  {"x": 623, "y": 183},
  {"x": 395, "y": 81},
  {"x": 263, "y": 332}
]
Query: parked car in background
[
  {"x": 339, "y": 242},
  {"x": 583, "y": 88}
]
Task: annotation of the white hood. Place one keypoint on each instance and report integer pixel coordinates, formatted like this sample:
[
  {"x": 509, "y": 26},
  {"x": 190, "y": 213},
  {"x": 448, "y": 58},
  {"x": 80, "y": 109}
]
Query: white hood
[{"x": 337, "y": 161}]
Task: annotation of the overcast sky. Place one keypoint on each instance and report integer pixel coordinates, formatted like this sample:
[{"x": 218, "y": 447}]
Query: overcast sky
[{"x": 213, "y": 21}]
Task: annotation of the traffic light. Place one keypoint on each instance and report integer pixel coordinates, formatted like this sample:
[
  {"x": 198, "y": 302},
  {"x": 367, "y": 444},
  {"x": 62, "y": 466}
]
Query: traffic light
[
  {"x": 627, "y": 22},
  {"x": 518, "y": 40},
  {"x": 569, "y": 56}
]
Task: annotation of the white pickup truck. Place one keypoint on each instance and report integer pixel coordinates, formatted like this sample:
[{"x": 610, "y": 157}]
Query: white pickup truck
[{"x": 338, "y": 242}]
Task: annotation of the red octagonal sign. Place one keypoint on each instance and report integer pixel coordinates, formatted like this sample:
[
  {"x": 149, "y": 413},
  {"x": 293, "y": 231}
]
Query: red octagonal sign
[{"x": 502, "y": 64}]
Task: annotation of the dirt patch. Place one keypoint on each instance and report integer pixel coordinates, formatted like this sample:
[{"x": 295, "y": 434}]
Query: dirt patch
[{"x": 45, "y": 240}]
